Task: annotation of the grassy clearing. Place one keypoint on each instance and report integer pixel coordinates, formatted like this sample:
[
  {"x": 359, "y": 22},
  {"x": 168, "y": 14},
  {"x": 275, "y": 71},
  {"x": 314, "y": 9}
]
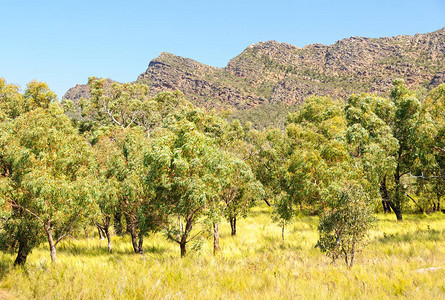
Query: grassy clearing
[{"x": 254, "y": 264}]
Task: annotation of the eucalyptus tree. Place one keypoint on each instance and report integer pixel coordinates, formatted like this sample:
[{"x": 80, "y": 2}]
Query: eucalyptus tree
[
  {"x": 49, "y": 170},
  {"x": 371, "y": 142},
  {"x": 322, "y": 174},
  {"x": 183, "y": 172},
  {"x": 430, "y": 170},
  {"x": 109, "y": 173},
  {"x": 42, "y": 161},
  {"x": 345, "y": 221},
  {"x": 315, "y": 135},
  {"x": 120, "y": 154},
  {"x": 127, "y": 106},
  {"x": 239, "y": 189}
]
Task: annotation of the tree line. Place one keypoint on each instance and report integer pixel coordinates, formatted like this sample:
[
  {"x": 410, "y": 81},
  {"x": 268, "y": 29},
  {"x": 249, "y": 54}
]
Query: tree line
[{"x": 142, "y": 164}]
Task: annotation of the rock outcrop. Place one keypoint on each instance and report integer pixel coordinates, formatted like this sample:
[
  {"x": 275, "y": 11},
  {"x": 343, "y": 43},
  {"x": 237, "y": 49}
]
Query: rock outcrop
[{"x": 272, "y": 72}]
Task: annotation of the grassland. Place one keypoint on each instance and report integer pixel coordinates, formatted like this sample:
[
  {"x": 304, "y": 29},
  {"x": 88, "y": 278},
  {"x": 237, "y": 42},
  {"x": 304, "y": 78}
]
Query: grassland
[{"x": 256, "y": 264}]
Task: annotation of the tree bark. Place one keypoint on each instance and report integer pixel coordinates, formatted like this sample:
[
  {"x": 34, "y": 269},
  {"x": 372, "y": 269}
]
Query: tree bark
[
  {"x": 352, "y": 255},
  {"x": 134, "y": 237},
  {"x": 107, "y": 233},
  {"x": 215, "y": 238},
  {"x": 233, "y": 225},
  {"x": 385, "y": 196},
  {"x": 128, "y": 221},
  {"x": 141, "y": 241},
  {"x": 183, "y": 241},
  {"x": 182, "y": 247},
  {"x": 22, "y": 254},
  {"x": 101, "y": 233},
  {"x": 118, "y": 223},
  {"x": 52, "y": 246},
  {"x": 396, "y": 204},
  {"x": 397, "y": 211}
]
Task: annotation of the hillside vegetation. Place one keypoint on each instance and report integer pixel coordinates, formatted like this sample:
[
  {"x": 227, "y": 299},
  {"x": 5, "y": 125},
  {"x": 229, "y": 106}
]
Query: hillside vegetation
[{"x": 149, "y": 173}]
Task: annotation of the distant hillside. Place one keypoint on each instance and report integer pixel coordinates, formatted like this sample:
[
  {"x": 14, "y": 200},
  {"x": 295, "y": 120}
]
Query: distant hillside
[{"x": 271, "y": 72}]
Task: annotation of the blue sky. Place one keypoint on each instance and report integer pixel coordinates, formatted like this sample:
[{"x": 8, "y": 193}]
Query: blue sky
[{"x": 65, "y": 42}]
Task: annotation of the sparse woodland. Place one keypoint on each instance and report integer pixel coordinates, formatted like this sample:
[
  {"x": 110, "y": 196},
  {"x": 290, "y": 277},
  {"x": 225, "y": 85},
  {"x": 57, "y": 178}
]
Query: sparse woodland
[{"x": 168, "y": 184}]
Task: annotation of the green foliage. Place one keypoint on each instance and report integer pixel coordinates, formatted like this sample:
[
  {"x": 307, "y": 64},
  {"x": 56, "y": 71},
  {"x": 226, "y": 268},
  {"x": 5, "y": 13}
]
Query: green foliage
[
  {"x": 48, "y": 166},
  {"x": 184, "y": 169},
  {"x": 345, "y": 221}
]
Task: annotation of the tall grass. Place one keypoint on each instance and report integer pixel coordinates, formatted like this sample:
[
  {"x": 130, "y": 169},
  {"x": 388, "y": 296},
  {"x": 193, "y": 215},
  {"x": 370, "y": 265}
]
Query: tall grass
[{"x": 256, "y": 264}]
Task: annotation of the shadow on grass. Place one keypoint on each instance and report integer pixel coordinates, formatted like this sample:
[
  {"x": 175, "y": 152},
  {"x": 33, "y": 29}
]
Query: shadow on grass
[
  {"x": 419, "y": 235},
  {"x": 272, "y": 244},
  {"x": 5, "y": 267}
]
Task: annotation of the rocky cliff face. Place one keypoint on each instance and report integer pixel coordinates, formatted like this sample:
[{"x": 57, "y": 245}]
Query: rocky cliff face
[{"x": 272, "y": 72}]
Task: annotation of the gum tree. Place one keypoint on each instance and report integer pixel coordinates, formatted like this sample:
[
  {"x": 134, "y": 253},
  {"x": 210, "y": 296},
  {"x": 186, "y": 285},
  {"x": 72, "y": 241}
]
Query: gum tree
[
  {"x": 183, "y": 173},
  {"x": 49, "y": 171}
]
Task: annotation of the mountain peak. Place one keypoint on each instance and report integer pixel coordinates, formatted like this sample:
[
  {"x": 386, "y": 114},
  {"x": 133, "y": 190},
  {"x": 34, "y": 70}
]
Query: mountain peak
[{"x": 274, "y": 72}]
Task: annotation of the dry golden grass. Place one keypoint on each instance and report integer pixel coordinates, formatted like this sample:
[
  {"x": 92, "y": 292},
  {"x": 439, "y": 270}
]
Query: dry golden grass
[{"x": 256, "y": 264}]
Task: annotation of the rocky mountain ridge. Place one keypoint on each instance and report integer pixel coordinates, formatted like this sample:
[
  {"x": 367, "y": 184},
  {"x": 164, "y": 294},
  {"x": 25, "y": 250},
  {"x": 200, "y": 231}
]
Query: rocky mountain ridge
[{"x": 273, "y": 72}]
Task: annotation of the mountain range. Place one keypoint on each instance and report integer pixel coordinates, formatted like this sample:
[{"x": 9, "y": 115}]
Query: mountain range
[{"x": 273, "y": 73}]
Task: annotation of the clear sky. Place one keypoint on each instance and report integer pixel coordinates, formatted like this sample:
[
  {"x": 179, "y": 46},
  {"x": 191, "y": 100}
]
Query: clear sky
[{"x": 64, "y": 42}]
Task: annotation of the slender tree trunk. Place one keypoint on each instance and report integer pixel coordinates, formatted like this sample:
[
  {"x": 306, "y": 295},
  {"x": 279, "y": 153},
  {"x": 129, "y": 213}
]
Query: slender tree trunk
[
  {"x": 52, "y": 246},
  {"x": 141, "y": 242},
  {"x": 128, "y": 221},
  {"x": 118, "y": 223},
  {"x": 417, "y": 204},
  {"x": 134, "y": 237},
  {"x": 85, "y": 229},
  {"x": 101, "y": 232},
  {"x": 185, "y": 234},
  {"x": 385, "y": 196},
  {"x": 22, "y": 254},
  {"x": 352, "y": 255},
  {"x": 396, "y": 204},
  {"x": 180, "y": 224},
  {"x": 107, "y": 233},
  {"x": 215, "y": 238},
  {"x": 233, "y": 225}
]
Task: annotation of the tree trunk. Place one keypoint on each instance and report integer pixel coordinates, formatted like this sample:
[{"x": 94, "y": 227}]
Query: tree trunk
[
  {"x": 233, "y": 225},
  {"x": 185, "y": 234},
  {"x": 183, "y": 250},
  {"x": 118, "y": 223},
  {"x": 107, "y": 233},
  {"x": 396, "y": 204},
  {"x": 215, "y": 238},
  {"x": 22, "y": 254},
  {"x": 180, "y": 224},
  {"x": 141, "y": 241},
  {"x": 352, "y": 255},
  {"x": 101, "y": 233},
  {"x": 385, "y": 196},
  {"x": 128, "y": 221},
  {"x": 52, "y": 246},
  {"x": 397, "y": 211},
  {"x": 134, "y": 237}
]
